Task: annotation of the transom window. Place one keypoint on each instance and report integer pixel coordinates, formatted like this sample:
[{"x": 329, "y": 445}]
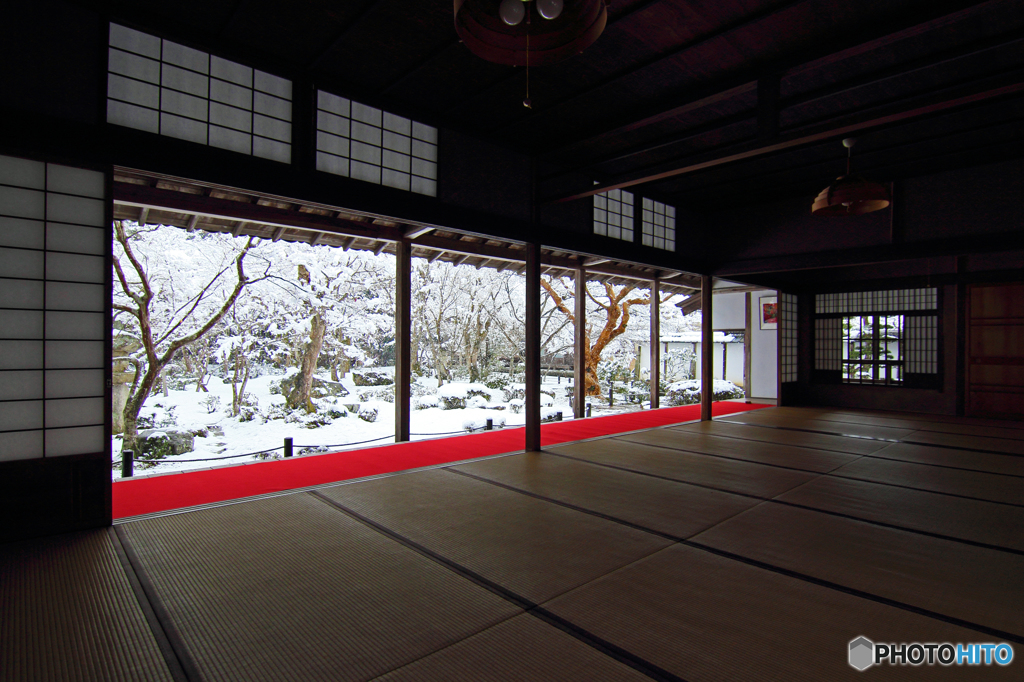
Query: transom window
[
  {"x": 659, "y": 225},
  {"x": 169, "y": 89},
  {"x": 357, "y": 141},
  {"x": 613, "y": 214}
]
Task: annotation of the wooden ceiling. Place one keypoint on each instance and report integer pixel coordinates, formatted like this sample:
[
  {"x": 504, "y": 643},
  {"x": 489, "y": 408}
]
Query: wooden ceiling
[{"x": 671, "y": 89}]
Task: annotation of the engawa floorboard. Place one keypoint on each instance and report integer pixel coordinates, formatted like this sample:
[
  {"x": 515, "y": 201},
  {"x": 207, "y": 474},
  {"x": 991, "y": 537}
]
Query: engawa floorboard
[
  {"x": 984, "y": 486},
  {"x": 671, "y": 507},
  {"x": 533, "y": 548},
  {"x": 973, "y": 584},
  {"x": 289, "y": 588},
  {"x": 68, "y": 612},
  {"x": 956, "y": 517},
  {"x": 818, "y": 461},
  {"x": 706, "y": 617},
  {"x": 746, "y": 478}
]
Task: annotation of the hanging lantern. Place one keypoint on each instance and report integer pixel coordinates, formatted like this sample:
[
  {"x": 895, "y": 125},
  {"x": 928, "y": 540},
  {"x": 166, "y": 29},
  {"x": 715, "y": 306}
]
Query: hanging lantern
[
  {"x": 556, "y": 29},
  {"x": 850, "y": 194}
]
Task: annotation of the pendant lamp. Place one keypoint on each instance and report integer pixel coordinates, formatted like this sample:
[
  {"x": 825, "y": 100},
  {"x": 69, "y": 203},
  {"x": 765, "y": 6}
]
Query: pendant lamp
[
  {"x": 534, "y": 32},
  {"x": 850, "y": 194}
]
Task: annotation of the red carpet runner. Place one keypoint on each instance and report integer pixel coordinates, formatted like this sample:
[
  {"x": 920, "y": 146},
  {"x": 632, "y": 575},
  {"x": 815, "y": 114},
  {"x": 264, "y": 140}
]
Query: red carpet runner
[{"x": 159, "y": 493}]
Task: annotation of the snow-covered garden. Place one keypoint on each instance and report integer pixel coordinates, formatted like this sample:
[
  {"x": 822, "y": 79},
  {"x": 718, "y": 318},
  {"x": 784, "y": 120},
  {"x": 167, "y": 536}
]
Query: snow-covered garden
[{"x": 226, "y": 346}]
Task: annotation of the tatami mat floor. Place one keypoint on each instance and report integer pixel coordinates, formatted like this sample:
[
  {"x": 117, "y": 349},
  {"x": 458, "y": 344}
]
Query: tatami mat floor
[{"x": 752, "y": 547}]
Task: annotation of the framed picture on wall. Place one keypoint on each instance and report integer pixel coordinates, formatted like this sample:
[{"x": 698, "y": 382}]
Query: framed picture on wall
[{"x": 769, "y": 306}]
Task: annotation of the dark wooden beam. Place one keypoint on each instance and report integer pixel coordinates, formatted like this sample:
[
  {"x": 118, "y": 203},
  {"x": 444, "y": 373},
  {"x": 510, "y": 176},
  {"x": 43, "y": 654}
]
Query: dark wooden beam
[
  {"x": 707, "y": 348},
  {"x": 191, "y": 227},
  {"x": 532, "y": 401},
  {"x": 403, "y": 339},
  {"x": 657, "y": 59},
  {"x": 846, "y": 45},
  {"x": 278, "y": 233},
  {"x": 137, "y": 195},
  {"x": 747, "y": 346},
  {"x": 579, "y": 355},
  {"x": 655, "y": 343},
  {"x": 143, "y": 215},
  {"x": 789, "y": 142},
  {"x": 870, "y": 255}
]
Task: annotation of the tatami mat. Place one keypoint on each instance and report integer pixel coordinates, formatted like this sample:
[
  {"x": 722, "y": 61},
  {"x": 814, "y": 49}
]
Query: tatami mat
[
  {"x": 770, "y": 418},
  {"x": 949, "y": 457},
  {"x": 704, "y": 617},
  {"x": 671, "y": 507},
  {"x": 974, "y": 584},
  {"x": 911, "y": 420},
  {"x": 289, "y": 588},
  {"x": 729, "y": 475},
  {"x": 68, "y": 612},
  {"x": 533, "y": 548},
  {"x": 821, "y": 441},
  {"x": 985, "y": 486},
  {"x": 818, "y": 461},
  {"x": 984, "y": 522},
  {"x": 952, "y": 440},
  {"x": 523, "y": 648}
]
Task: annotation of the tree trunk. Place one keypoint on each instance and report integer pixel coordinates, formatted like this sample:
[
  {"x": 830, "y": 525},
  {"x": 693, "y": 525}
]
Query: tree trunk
[
  {"x": 241, "y": 361},
  {"x": 300, "y": 397}
]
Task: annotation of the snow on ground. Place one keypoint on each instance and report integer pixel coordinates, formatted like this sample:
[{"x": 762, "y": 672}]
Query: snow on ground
[{"x": 227, "y": 437}]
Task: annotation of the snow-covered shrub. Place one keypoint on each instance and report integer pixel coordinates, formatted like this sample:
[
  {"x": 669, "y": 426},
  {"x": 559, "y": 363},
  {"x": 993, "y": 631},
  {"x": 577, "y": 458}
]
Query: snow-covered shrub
[
  {"x": 514, "y": 392},
  {"x": 314, "y": 420},
  {"x": 477, "y": 420},
  {"x": 426, "y": 402},
  {"x": 383, "y": 393},
  {"x": 688, "y": 392},
  {"x": 546, "y": 400},
  {"x": 476, "y": 402},
  {"x": 368, "y": 413},
  {"x": 549, "y": 414},
  {"x": 516, "y": 405},
  {"x": 454, "y": 395},
  {"x": 366, "y": 377},
  {"x": 247, "y": 413},
  {"x": 276, "y": 411},
  {"x": 158, "y": 444},
  {"x": 211, "y": 403},
  {"x": 497, "y": 381}
]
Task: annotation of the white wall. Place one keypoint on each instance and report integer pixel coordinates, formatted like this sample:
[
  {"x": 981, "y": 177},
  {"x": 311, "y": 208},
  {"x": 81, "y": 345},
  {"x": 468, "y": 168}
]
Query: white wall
[
  {"x": 763, "y": 353},
  {"x": 727, "y": 312}
]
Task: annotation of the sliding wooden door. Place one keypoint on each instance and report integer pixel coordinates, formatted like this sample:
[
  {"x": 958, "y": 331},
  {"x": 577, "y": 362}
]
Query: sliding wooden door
[{"x": 995, "y": 351}]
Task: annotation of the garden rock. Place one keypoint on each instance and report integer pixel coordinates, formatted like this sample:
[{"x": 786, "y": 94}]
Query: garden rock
[{"x": 157, "y": 444}]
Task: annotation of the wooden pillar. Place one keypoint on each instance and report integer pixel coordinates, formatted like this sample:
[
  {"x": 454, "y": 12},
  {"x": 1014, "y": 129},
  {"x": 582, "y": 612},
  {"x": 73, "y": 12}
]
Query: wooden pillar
[
  {"x": 748, "y": 338},
  {"x": 403, "y": 332},
  {"x": 655, "y": 342},
  {"x": 580, "y": 349},
  {"x": 707, "y": 349},
  {"x": 532, "y": 405}
]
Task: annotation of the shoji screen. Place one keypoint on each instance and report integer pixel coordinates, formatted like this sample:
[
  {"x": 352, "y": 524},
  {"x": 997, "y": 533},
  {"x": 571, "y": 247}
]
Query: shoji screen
[{"x": 53, "y": 323}]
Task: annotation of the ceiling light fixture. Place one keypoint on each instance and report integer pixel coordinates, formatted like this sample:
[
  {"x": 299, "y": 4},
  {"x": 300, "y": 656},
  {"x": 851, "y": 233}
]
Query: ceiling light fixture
[
  {"x": 850, "y": 194},
  {"x": 498, "y": 31}
]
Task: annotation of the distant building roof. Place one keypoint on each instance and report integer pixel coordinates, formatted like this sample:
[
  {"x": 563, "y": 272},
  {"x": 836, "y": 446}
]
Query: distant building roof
[{"x": 694, "y": 337}]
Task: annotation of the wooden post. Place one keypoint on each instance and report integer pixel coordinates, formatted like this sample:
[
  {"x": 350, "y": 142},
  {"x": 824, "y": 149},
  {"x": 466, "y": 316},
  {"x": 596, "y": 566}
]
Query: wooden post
[
  {"x": 655, "y": 342},
  {"x": 403, "y": 331},
  {"x": 747, "y": 341},
  {"x": 532, "y": 404},
  {"x": 579, "y": 396},
  {"x": 707, "y": 349},
  {"x": 289, "y": 447}
]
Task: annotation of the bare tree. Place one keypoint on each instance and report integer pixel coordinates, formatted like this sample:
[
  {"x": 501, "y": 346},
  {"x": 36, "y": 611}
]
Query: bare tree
[
  {"x": 159, "y": 348},
  {"x": 616, "y": 319}
]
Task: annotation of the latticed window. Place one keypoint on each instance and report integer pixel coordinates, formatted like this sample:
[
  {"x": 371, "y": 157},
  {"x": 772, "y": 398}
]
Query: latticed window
[
  {"x": 613, "y": 214},
  {"x": 878, "y": 337},
  {"x": 873, "y": 349}
]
